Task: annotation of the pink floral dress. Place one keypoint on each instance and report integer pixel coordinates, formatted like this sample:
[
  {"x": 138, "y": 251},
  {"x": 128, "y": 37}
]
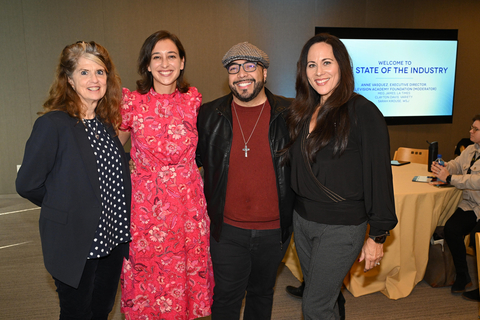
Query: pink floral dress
[{"x": 169, "y": 272}]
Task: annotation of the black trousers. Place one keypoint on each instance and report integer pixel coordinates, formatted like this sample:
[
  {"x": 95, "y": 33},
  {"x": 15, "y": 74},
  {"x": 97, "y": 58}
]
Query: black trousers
[
  {"x": 457, "y": 227},
  {"x": 245, "y": 260},
  {"x": 95, "y": 296}
]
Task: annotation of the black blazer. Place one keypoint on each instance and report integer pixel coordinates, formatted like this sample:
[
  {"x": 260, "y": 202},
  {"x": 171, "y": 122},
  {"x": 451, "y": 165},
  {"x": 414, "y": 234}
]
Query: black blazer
[{"x": 59, "y": 174}]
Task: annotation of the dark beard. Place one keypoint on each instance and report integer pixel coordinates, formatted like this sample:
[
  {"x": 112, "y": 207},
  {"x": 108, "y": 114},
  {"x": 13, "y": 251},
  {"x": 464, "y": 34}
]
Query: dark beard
[{"x": 257, "y": 87}]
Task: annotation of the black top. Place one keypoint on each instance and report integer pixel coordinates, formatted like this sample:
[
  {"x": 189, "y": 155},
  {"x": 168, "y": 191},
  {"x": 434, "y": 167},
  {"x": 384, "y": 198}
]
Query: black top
[
  {"x": 114, "y": 224},
  {"x": 359, "y": 182}
]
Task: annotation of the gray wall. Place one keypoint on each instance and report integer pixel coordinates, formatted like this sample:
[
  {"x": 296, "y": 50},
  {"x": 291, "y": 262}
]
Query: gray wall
[{"x": 33, "y": 33}]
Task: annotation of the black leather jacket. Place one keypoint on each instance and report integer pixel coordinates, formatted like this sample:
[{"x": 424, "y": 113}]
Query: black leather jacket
[{"x": 215, "y": 134}]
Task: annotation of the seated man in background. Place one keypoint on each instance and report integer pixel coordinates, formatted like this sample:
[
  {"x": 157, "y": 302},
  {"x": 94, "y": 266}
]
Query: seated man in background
[{"x": 464, "y": 173}]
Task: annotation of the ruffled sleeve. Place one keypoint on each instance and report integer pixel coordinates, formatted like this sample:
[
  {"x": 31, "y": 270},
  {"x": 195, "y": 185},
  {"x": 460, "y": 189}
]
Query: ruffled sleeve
[
  {"x": 195, "y": 98},
  {"x": 127, "y": 109}
]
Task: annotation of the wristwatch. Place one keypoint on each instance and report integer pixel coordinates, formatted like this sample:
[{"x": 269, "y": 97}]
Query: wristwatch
[
  {"x": 449, "y": 179},
  {"x": 380, "y": 239}
]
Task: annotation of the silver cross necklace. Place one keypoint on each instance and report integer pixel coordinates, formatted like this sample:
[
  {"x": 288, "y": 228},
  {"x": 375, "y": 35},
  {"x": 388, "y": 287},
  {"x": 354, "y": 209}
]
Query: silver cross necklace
[{"x": 246, "y": 149}]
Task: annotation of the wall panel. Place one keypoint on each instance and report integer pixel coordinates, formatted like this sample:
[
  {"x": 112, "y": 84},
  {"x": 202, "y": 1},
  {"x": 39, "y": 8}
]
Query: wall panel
[
  {"x": 128, "y": 23},
  {"x": 34, "y": 33},
  {"x": 15, "y": 116},
  {"x": 50, "y": 25},
  {"x": 281, "y": 35}
]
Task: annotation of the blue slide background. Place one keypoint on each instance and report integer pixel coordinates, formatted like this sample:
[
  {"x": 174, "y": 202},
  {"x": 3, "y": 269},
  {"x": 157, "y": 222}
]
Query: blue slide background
[{"x": 409, "y": 101}]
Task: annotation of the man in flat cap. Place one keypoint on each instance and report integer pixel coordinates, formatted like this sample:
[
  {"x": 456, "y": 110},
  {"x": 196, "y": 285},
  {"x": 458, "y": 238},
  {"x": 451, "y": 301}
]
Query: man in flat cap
[{"x": 248, "y": 193}]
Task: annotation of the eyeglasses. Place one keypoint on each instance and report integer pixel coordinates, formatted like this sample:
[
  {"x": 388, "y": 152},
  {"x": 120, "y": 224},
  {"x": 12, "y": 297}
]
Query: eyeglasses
[
  {"x": 234, "y": 68},
  {"x": 474, "y": 128}
]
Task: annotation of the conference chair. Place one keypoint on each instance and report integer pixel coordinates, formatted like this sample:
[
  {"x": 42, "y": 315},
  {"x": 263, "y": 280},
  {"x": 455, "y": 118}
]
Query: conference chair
[
  {"x": 469, "y": 249},
  {"x": 412, "y": 155},
  {"x": 461, "y": 145}
]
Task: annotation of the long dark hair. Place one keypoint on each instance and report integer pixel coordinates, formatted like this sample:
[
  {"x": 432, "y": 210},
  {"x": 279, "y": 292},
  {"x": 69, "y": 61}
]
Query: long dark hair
[
  {"x": 63, "y": 97},
  {"x": 333, "y": 123},
  {"x": 145, "y": 56}
]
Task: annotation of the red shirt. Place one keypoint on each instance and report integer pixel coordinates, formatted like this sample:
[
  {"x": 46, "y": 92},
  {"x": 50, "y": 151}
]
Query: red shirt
[{"x": 252, "y": 198}]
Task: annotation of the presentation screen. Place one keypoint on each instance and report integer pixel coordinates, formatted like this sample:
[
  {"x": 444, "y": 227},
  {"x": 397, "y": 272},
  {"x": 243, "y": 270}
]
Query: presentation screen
[{"x": 408, "y": 73}]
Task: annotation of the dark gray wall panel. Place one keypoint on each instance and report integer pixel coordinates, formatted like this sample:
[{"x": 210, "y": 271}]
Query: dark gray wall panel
[{"x": 34, "y": 33}]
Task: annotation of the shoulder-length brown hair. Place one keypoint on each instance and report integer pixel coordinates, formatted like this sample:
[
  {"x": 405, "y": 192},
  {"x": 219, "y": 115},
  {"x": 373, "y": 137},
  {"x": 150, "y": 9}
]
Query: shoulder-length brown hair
[
  {"x": 145, "y": 57},
  {"x": 333, "y": 123},
  {"x": 62, "y": 96}
]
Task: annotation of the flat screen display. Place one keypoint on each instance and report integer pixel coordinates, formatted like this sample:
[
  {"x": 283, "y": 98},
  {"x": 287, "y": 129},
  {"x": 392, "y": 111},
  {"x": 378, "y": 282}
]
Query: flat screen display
[{"x": 408, "y": 73}]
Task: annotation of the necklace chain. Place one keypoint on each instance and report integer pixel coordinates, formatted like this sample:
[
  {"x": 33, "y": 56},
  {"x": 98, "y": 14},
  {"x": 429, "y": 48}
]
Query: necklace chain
[{"x": 246, "y": 149}]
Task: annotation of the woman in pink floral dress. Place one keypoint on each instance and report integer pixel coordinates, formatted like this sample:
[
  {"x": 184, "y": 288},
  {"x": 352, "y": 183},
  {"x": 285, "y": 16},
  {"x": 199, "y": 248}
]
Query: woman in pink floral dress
[{"x": 169, "y": 272}]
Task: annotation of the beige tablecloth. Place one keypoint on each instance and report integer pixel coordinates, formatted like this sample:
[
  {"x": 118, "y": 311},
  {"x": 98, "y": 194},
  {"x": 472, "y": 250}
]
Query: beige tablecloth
[{"x": 420, "y": 208}]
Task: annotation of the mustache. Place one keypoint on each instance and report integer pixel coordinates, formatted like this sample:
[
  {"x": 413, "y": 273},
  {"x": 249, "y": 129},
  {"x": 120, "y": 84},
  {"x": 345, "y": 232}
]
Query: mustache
[{"x": 243, "y": 80}]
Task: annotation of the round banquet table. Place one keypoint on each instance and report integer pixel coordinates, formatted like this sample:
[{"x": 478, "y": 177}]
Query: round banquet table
[{"x": 420, "y": 208}]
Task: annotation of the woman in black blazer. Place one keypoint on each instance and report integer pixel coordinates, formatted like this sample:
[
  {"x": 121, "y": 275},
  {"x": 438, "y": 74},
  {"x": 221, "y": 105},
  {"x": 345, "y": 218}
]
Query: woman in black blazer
[{"x": 75, "y": 168}]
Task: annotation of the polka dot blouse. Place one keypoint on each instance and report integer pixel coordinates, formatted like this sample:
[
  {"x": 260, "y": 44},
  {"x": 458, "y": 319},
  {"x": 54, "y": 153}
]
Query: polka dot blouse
[{"x": 114, "y": 224}]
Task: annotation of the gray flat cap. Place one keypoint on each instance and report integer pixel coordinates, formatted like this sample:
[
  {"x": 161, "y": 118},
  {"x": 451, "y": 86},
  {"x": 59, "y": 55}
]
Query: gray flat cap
[{"x": 245, "y": 51}]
